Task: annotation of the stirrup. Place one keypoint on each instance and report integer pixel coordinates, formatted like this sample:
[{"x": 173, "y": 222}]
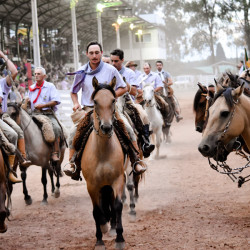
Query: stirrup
[
  {"x": 67, "y": 172},
  {"x": 134, "y": 165}
]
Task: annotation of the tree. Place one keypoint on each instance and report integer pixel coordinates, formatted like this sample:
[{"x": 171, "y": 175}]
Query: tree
[{"x": 220, "y": 54}]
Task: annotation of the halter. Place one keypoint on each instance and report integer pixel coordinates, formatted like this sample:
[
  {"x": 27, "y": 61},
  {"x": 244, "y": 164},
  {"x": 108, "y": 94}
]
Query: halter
[
  {"x": 97, "y": 131},
  {"x": 207, "y": 104}
]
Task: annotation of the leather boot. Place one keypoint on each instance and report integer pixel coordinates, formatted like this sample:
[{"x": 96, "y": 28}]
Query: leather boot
[
  {"x": 73, "y": 170},
  {"x": 147, "y": 148},
  {"x": 12, "y": 177},
  {"x": 178, "y": 117},
  {"x": 138, "y": 167},
  {"x": 55, "y": 153},
  {"x": 21, "y": 146}
]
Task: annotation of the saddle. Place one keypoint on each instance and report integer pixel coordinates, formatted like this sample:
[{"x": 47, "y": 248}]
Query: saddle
[{"x": 84, "y": 129}]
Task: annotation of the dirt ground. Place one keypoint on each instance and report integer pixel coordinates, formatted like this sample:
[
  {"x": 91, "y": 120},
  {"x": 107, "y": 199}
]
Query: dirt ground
[{"x": 183, "y": 204}]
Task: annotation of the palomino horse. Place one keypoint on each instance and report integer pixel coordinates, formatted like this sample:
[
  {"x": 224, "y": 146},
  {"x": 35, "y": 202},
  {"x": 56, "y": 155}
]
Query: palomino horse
[
  {"x": 154, "y": 115},
  {"x": 38, "y": 152},
  {"x": 5, "y": 191},
  {"x": 102, "y": 165},
  {"x": 229, "y": 117}
]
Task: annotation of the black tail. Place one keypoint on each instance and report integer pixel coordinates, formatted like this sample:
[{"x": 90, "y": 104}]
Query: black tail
[{"x": 106, "y": 201}]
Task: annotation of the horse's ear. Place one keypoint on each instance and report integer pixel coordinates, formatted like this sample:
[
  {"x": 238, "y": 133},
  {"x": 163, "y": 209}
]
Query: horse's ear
[
  {"x": 202, "y": 88},
  {"x": 95, "y": 82},
  {"x": 113, "y": 82},
  {"x": 238, "y": 91},
  {"x": 218, "y": 86}
]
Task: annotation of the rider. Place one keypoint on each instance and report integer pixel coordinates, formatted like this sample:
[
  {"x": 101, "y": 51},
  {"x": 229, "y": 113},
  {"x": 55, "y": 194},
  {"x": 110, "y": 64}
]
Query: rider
[
  {"x": 83, "y": 80},
  {"x": 44, "y": 98},
  {"x": 117, "y": 59},
  {"x": 167, "y": 80},
  {"x": 106, "y": 59},
  {"x": 132, "y": 65},
  {"x": 9, "y": 127}
]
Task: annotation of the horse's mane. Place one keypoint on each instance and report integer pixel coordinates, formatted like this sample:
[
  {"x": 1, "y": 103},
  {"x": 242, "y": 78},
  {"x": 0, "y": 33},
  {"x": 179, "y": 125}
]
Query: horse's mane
[
  {"x": 227, "y": 93},
  {"x": 103, "y": 86},
  {"x": 197, "y": 100}
]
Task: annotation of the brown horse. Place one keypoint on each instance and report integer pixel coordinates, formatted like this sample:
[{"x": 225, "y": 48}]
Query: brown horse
[
  {"x": 202, "y": 101},
  {"x": 102, "y": 165},
  {"x": 229, "y": 117},
  {"x": 5, "y": 191}
]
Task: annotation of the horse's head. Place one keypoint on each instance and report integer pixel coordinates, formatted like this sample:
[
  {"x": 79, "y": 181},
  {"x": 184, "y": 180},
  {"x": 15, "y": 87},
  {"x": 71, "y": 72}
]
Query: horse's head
[
  {"x": 104, "y": 105},
  {"x": 202, "y": 101},
  {"x": 225, "y": 123},
  {"x": 148, "y": 95},
  {"x": 14, "y": 111}
]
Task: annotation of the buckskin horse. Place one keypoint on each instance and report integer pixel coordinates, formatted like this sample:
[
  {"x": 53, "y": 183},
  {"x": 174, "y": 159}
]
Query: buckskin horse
[
  {"x": 102, "y": 165},
  {"x": 38, "y": 152},
  {"x": 229, "y": 117},
  {"x": 5, "y": 192}
]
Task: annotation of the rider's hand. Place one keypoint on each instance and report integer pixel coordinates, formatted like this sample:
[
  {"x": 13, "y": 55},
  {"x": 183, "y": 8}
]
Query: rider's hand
[
  {"x": 76, "y": 106},
  {"x": 39, "y": 106}
]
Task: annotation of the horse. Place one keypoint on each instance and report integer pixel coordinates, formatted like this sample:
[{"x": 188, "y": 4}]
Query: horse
[
  {"x": 202, "y": 101},
  {"x": 38, "y": 152},
  {"x": 132, "y": 181},
  {"x": 229, "y": 117},
  {"x": 5, "y": 192},
  {"x": 154, "y": 115},
  {"x": 102, "y": 164}
]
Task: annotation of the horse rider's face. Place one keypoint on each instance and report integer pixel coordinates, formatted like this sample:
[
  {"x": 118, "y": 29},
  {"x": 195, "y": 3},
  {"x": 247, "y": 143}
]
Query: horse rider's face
[
  {"x": 132, "y": 67},
  {"x": 159, "y": 66},
  {"x": 39, "y": 76},
  {"x": 116, "y": 62},
  {"x": 94, "y": 54},
  {"x": 106, "y": 60},
  {"x": 147, "y": 69}
]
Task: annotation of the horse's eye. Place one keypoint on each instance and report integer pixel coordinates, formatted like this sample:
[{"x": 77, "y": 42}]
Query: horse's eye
[{"x": 224, "y": 114}]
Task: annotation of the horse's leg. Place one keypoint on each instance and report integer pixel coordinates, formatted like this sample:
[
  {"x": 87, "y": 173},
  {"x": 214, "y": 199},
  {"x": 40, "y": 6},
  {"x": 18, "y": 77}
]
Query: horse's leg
[
  {"x": 124, "y": 197},
  {"x": 3, "y": 212},
  {"x": 130, "y": 187},
  {"x": 120, "y": 242},
  {"x": 158, "y": 142},
  {"x": 44, "y": 182},
  {"x": 27, "y": 197},
  {"x": 56, "y": 191},
  {"x": 112, "y": 231},
  {"x": 97, "y": 215},
  {"x": 52, "y": 182},
  {"x": 136, "y": 184}
]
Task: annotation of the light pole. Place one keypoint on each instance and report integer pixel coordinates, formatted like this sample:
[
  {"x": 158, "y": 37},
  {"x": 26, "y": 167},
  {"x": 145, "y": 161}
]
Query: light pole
[
  {"x": 74, "y": 37},
  {"x": 131, "y": 27},
  {"x": 99, "y": 8},
  {"x": 117, "y": 29},
  {"x": 140, "y": 44}
]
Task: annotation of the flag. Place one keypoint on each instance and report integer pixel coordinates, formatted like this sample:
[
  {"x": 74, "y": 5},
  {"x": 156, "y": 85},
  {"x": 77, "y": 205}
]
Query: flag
[{"x": 246, "y": 61}]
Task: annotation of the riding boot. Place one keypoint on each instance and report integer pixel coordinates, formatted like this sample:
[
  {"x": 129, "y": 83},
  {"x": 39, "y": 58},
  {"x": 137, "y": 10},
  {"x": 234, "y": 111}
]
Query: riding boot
[
  {"x": 178, "y": 117},
  {"x": 137, "y": 165},
  {"x": 21, "y": 146},
  {"x": 55, "y": 153},
  {"x": 73, "y": 170},
  {"x": 12, "y": 174},
  {"x": 147, "y": 148}
]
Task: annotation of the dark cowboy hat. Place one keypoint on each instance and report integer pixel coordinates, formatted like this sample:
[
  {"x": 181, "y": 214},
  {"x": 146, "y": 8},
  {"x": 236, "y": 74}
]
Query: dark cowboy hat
[{"x": 130, "y": 63}]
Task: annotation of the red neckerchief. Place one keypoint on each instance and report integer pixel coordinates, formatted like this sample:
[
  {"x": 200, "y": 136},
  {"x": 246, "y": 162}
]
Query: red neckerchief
[{"x": 39, "y": 92}]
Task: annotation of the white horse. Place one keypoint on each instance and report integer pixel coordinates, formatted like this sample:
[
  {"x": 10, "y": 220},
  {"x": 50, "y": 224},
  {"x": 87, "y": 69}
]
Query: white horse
[{"x": 154, "y": 115}]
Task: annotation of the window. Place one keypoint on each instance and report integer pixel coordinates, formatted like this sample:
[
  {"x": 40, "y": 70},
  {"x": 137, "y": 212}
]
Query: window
[{"x": 145, "y": 38}]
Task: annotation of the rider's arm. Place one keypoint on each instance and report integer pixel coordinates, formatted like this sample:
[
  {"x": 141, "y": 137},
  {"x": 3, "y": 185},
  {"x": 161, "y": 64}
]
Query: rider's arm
[
  {"x": 170, "y": 81},
  {"x": 158, "y": 89},
  {"x": 121, "y": 91},
  {"x": 11, "y": 68},
  {"x": 50, "y": 104},
  {"x": 76, "y": 104}
]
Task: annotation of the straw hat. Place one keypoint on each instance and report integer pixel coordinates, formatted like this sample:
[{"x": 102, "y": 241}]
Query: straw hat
[
  {"x": 130, "y": 63},
  {"x": 77, "y": 116}
]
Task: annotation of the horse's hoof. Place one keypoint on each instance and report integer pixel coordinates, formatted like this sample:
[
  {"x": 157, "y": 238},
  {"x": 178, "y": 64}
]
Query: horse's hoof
[
  {"x": 104, "y": 228},
  {"x": 57, "y": 193},
  {"x": 120, "y": 245},
  {"x": 112, "y": 232},
  {"x": 132, "y": 218},
  {"x": 100, "y": 245},
  {"x": 44, "y": 203},
  {"x": 3, "y": 228},
  {"x": 28, "y": 201}
]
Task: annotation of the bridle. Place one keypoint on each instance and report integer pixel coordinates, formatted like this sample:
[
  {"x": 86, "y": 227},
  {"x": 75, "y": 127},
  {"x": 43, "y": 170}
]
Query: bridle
[
  {"x": 97, "y": 131},
  {"x": 206, "y": 95}
]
